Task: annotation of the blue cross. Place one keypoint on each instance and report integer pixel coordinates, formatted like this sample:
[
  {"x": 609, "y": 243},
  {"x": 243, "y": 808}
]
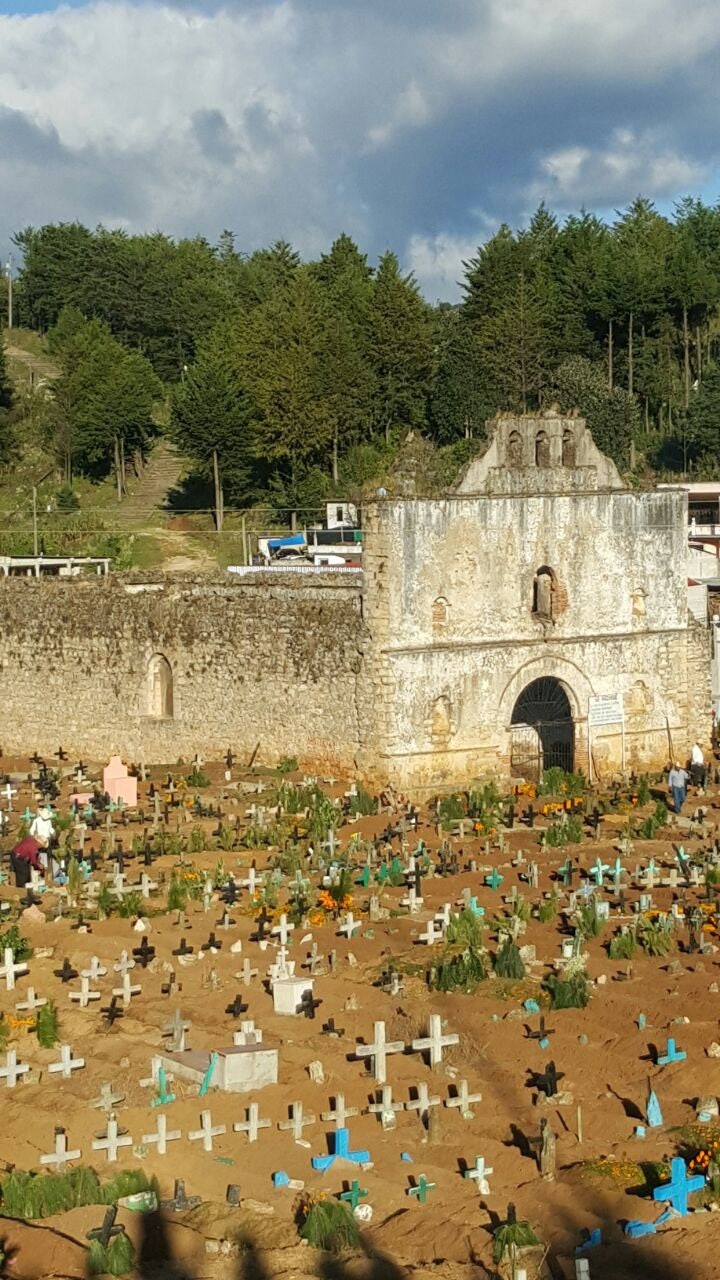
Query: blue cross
[
  {"x": 163, "y": 1097},
  {"x": 493, "y": 882},
  {"x": 473, "y": 906},
  {"x": 341, "y": 1151},
  {"x": 565, "y": 872},
  {"x": 671, "y": 1054},
  {"x": 598, "y": 872},
  {"x": 677, "y": 1190},
  {"x": 355, "y": 1194}
]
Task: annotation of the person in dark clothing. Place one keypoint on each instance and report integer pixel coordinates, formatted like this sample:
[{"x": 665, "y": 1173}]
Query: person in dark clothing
[{"x": 24, "y": 857}]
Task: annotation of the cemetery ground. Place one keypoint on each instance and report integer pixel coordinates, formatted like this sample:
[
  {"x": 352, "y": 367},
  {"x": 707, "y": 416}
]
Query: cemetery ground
[{"x": 422, "y": 1065}]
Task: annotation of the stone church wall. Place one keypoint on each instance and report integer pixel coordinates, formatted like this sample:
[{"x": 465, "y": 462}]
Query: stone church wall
[{"x": 273, "y": 660}]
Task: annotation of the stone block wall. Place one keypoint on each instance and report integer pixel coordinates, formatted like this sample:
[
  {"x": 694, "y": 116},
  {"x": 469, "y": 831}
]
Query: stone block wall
[{"x": 273, "y": 660}]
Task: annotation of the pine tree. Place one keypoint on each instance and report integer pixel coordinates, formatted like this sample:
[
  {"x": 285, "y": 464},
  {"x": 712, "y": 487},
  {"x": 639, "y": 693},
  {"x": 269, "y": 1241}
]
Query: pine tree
[
  {"x": 401, "y": 349},
  {"x": 461, "y": 399}
]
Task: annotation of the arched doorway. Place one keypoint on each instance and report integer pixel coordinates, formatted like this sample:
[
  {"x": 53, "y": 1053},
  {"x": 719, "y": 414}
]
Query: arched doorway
[
  {"x": 543, "y": 733},
  {"x": 160, "y": 688}
]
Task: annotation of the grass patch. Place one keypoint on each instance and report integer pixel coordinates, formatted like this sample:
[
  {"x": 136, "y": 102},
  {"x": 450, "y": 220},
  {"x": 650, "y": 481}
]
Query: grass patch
[{"x": 330, "y": 1226}]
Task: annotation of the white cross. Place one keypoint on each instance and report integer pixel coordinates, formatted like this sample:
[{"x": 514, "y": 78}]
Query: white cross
[
  {"x": 127, "y": 990},
  {"x": 443, "y": 915},
  {"x": 176, "y": 1029},
  {"x": 340, "y": 1115},
  {"x": 435, "y": 1041},
  {"x": 13, "y": 1070},
  {"x": 60, "y": 1156},
  {"x": 9, "y": 970},
  {"x": 297, "y": 1122},
  {"x": 248, "y": 1033},
  {"x": 431, "y": 935},
  {"x": 67, "y": 1063},
  {"x": 9, "y": 792},
  {"x": 378, "y": 1051},
  {"x": 283, "y": 930},
  {"x": 386, "y": 1108},
  {"x": 350, "y": 925},
  {"x": 423, "y": 1102},
  {"x": 124, "y": 964},
  {"x": 412, "y": 902},
  {"x": 282, "y": 968},
  {"x": 252, "y": 1124},
  {"x": 250, "y": 882},
  {"x": 162, "y": 1135},
  {"x": 107, "y": 1098},
  {"x": 480, "y": 1175},
  {"x": 147, "y": 885},
  {"x": 206, "y": 1131},
  {"x": 94, "y": 971},
  {"x": 463, "y": 1100},
  {"x": 84, "y": 995},
  {"x": 248, "y": 973},
  {"x": 112, "y": 1141},
  {"x": 31, "y": 1001}
]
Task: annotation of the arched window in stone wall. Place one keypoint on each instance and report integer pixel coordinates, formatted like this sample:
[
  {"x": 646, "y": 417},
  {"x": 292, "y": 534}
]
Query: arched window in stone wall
[
  {"x": 568, "y": 448},
  {"x": 160, "y": 688},
  {"x": 441, "y": 722},
  {"x": 542, "y": 449},
  {"x": 543, "y": 591},
  {"x": 439, "y": 614},
  {"x": 515, "y": 449}
]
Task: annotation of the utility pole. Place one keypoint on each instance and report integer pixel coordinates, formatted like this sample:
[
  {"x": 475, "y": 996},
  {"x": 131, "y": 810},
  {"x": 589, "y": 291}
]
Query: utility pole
[{"x": 10, "y": 292}]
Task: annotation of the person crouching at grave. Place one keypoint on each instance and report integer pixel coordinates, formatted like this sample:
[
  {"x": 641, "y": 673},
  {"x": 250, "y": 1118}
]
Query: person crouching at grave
[
  {"x": 677, "y": 782},
  {"x": 23, "y": 858},
  {"x": 43, "y": 830}
]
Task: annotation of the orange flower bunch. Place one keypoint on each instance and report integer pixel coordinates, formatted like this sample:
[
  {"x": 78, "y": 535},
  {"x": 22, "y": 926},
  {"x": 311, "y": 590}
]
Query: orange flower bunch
[
  {"x": 703, "y": 1157},
  {"x": 19, "y": 1024},
  {"x": 329, "y": 903}
]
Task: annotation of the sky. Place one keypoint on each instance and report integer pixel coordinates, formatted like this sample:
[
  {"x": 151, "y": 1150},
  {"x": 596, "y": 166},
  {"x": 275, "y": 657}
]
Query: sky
[{"x": 414, "y": 125}]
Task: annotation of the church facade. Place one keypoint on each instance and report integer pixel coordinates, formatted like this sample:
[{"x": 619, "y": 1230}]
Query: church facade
[{"x": 537, "y": 616}]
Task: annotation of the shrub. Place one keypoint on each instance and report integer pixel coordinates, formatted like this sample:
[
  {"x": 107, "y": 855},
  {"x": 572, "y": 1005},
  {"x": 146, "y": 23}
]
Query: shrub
[
  {"x": 330, "y": 1226},
  {"x": 569, "y": 830},
  {"x": 130, "y": 904},
  {"x": 67, "y": 499},
  {"x": 197, "y": 840},
  {"x": 623, "y": 946},
  {"x": 512, "y": 1236},
  {"x": 33, "y": 1195},
  {"x": 547, "y": 909},
  {"x": 643, "y": 789},
  {"x": 508, "y": 962},
  {"x": 656, "y": 939},
  {"x": 556, "y": 782},
  {"x": 288, "y": 764},
  {"x": 19, "y": 945},
  {"x": 363, "y": 803},
  {"x": 568, "y": 992},
  {"x": 106, "y": 902},
  {"x": 590, "y": 924},
  {"x": 465, "y": 930},
  {"x": 177, "y": 897},
  {"x": 462, "y": 971},
  {"x": 197, "y": 779},
  {"x": 46, "y": 1025},
  {"x": 451, "y": 809}
]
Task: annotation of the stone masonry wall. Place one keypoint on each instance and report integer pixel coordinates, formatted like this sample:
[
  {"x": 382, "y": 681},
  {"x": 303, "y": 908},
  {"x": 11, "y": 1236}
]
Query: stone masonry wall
[{"x": 272, "y": 660}]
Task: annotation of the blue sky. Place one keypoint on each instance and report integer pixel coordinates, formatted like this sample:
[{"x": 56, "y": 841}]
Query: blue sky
[{"x": 416, "y": 125}]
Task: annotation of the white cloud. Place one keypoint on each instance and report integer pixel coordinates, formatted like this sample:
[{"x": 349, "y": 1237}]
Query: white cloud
[{"x": 392, "y": 121}]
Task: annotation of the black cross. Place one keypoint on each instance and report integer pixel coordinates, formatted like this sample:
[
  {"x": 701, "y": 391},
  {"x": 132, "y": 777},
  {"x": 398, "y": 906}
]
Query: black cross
[
  {"x": 329, "y": 1029},
  {"x": 509, "y": 818},
  {"x": 261, "y": 922},
  {"x": 61, "y": 755},
  {"x": 108, "y": 1229},
  {"x": 67, "y": 973},
  {"x": 547, "y": 1081},
  {"x": 167, "y": 987},
  {"x": 82, "y": 923},
  {"x": 112, "y": 1012},
  {"x": 230, "y": 893},
  {"x": 530, "y": 816},
  {"x": 308, "y": 1005},
  {"x": 237, "y": 1007},
  {"x": 144, "y": 953},
  {"x": 542, "y": 1032},
  {"x": 180, "y": 1200},
  {"x": 212, "y": 944},
  {"x": 183, "y": 949}
]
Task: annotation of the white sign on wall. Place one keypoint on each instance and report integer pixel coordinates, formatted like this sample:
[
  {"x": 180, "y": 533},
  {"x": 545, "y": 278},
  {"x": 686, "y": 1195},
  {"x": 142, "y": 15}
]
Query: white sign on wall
[{"x": 607, "y": 708}]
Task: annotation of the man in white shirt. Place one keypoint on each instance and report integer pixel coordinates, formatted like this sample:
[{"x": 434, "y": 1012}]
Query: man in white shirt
[{"x": 42, "y": 830}]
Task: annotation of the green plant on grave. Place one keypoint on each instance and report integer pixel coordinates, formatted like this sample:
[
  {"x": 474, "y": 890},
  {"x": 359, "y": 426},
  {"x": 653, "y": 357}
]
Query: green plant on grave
[
  {"x": 556, "y": 782},
  {"x": 226, "y": 838},
  {"x": 508, "y": 961},
  {"x": 571, "y": 991},
  {"x": 220, "y": 876},
  {"x": 590, "y": 923},
  {"x": 451, "y": 809},
  {"x": 17, "y": 942},
  {"x": 324, "y": 816},
  {"x": 521, "y": 909},
  {"x": 130, "y": 904},
  {"x": 117, "y": 1258},
  {"x": 289, "y": 860},
  {"x": 338, "y": 893},
  {"x": 567, "y": 830},
  {"x": 458, "y": 971},
  {"x": 510, "y": 1237},
  {"x": 175, "y": 844},
  {"x": 485, "y": 804},
  {"x": 655, "y": 937},
  {"x": 643, "y": 790},
  {"x": 548, "y": 908},
  {"x": 623, "y": 946},
  {"x": 47, "y": 1027},
  {"x": 197, "y": 840},
  {"x": 464, "y": 930},
  {"x": 196, "y": 779},
  {"x": 288, "y": 764},
  {"x": 32, "y": 1195},
  {"x": 330, "y": 1226},
  {"x": 362, "y": 803},
  {"x": 106, "y": 902},
  {"x": 177, "y": 896}
]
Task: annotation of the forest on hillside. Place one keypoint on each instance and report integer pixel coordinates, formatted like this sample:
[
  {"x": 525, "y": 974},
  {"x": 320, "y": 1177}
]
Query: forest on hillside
[{"x": 291, "y": 380}]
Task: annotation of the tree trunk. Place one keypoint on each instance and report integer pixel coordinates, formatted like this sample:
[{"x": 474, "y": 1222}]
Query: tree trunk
[
  {"x": 118, "y": 478},
  {"x": 686, "y": 351},
  {"x": 610, "y": 355},
  {"x": 631, "y": 370},
  {"x": 122, "y": 466},
  {"x": 219, "y": 501},
  {"x": 335, "y": 457},
  {"x": 698, "y": 347}
]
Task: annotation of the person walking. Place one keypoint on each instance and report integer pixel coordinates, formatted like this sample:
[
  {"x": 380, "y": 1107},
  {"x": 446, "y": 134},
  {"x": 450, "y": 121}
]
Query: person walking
[
  {"x": 697, "y": 766},
  {"x": 677, "y": 782}
]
